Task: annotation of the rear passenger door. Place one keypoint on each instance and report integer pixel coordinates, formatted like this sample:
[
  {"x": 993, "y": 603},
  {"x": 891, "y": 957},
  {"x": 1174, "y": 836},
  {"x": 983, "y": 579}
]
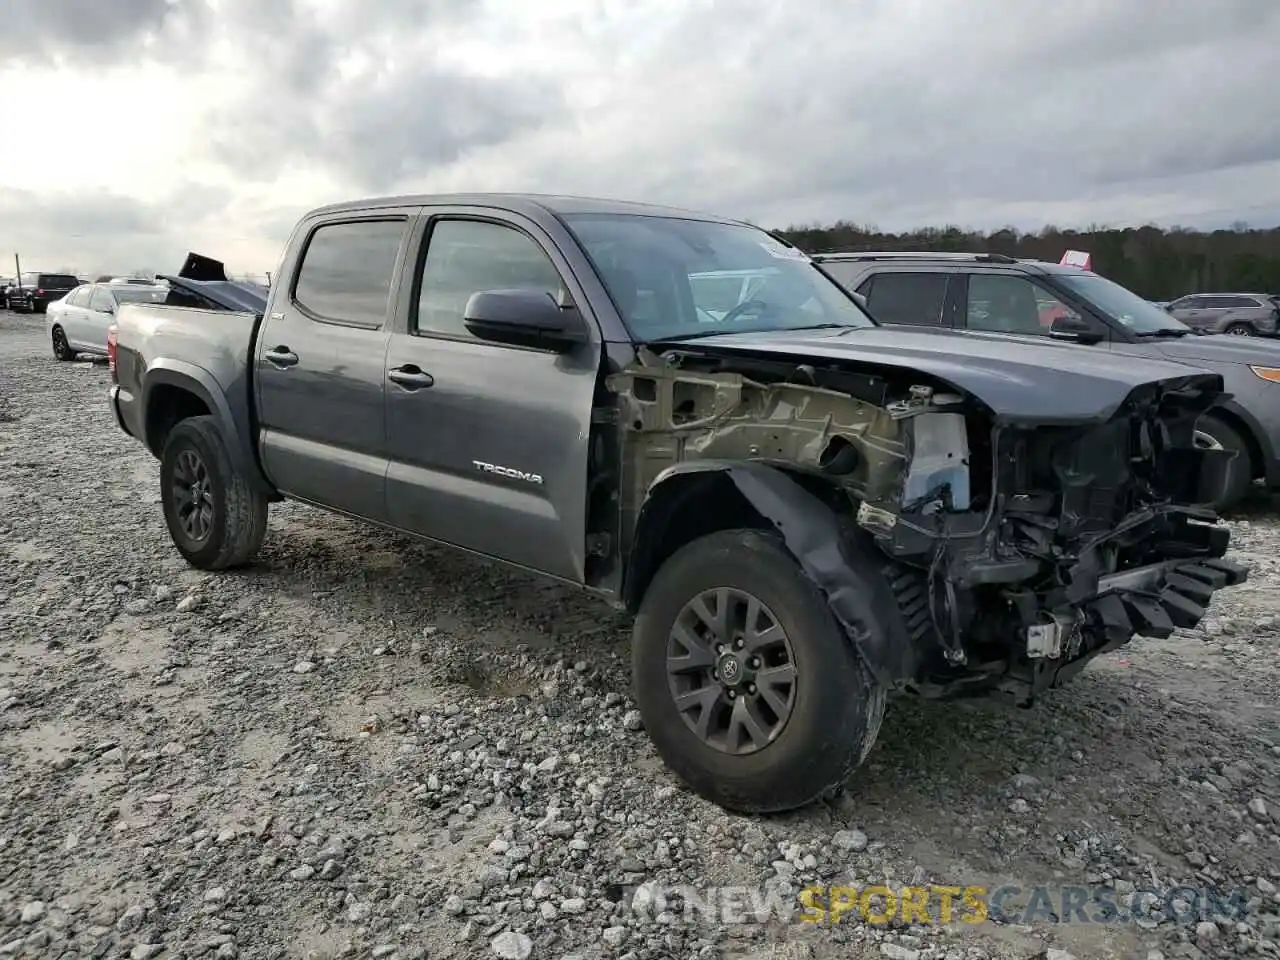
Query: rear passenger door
[
  {"x": 910, "y": 298},
  {"x": 321, "y": 361},
  {"x": 480, "y": 405}
]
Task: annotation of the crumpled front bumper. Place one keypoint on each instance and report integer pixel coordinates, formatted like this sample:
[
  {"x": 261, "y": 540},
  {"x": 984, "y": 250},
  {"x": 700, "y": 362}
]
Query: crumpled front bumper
[{"x": 1154, "y": 600}]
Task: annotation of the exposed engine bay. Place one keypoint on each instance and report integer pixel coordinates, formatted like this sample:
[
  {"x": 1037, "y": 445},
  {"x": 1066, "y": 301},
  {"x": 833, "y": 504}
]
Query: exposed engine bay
[{"x": 1016, "y": 551}]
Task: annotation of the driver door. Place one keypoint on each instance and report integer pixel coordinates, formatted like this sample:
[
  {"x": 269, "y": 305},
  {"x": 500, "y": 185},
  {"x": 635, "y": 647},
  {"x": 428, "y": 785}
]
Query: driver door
[{"x": 74, "y": 310}]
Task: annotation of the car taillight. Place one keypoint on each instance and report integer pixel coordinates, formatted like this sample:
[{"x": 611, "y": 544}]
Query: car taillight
[
  {"x": 111, "y": 351},
  {"x": 39, "y": 292}
]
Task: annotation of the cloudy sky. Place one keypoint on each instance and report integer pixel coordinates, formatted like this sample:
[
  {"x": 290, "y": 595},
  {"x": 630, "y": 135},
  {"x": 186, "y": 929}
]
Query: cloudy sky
[{"x": 162, "y": 126}]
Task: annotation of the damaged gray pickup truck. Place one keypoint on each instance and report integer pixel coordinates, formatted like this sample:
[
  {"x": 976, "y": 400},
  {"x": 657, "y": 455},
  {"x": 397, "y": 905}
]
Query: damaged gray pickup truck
[{"x": 684, "y": 416}]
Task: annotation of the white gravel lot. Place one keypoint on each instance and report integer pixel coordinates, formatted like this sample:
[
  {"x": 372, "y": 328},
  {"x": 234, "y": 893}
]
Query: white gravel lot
[{"x": 368, "y": 747}]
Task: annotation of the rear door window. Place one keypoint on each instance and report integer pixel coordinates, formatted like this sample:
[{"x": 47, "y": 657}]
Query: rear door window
[
  {"x": 101, "y": 301},
  {"x": 908, "y": 298},
  {"x": 346, "y": 271}
]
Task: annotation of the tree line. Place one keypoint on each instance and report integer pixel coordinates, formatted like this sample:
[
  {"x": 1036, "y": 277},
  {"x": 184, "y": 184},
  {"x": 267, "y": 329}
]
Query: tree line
[{"x": 1155, "y": 263}]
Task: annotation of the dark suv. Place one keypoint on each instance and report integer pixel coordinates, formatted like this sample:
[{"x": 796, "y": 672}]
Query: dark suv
[
  {"x": 991, "y": 294},
  {"x": 33, "y": 292}
]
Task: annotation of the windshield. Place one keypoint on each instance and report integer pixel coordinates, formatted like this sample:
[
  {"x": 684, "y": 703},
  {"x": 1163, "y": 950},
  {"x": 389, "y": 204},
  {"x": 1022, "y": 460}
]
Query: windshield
[
  {"x": 672, "y": 278},
  {"x": 139, "y": 294},
  {"x": 1120, "y": 303}
]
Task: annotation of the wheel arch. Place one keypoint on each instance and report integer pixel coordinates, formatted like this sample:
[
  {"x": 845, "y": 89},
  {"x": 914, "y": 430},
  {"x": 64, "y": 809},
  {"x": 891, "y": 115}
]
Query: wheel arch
[
  {"x": 693, "y": 499},
  {"x": 173, "y": 391},
  {"x": 1241, "y": 421}
]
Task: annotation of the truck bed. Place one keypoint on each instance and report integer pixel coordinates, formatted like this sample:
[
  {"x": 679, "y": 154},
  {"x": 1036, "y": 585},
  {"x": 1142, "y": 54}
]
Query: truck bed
[{"x": 216, "y": 351}]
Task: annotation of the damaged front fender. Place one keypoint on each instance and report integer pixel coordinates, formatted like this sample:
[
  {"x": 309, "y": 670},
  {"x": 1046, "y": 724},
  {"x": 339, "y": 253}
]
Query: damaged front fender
[{"x": 842, "y": 561}]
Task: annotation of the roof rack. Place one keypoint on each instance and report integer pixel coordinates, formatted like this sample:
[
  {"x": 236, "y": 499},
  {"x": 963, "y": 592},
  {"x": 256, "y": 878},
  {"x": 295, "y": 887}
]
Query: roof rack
[{"x": 915, "y": 255}]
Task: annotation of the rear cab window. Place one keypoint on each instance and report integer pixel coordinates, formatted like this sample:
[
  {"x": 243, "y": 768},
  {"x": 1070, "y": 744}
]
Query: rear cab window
[{"x": 347, "y": 269}]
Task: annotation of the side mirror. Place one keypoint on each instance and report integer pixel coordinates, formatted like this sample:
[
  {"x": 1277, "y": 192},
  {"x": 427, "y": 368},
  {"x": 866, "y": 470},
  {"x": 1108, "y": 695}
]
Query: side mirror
[
  {"x": 530, "y": 318},
  {"x": 860, "y": 300},
  {"x": 1079, "y": 329}
]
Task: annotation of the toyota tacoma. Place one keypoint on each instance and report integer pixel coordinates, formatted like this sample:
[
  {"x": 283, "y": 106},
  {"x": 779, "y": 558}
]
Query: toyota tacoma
[{"x": 682, "y": 414}]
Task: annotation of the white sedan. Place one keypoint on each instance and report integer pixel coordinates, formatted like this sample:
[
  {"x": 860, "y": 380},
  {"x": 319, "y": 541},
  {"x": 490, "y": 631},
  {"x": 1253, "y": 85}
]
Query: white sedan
[{"x": 78, "y": 322}]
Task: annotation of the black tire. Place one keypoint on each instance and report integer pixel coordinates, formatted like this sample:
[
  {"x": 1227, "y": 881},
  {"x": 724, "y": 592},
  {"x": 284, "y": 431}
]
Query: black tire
[
  {"x": 1241, "y": 330},
  {"x": 836, "y": 708},
  {"x": 1240, "y": 472},
  {"x": 238, "y": 512},
  {"x": 61, "y": 348}
]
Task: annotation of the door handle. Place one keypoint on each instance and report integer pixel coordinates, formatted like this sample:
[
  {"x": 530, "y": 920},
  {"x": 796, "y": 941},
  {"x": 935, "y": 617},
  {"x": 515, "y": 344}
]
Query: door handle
[
  {"x": 410, "y": 377},
  {"x": 281, "y": 356}
]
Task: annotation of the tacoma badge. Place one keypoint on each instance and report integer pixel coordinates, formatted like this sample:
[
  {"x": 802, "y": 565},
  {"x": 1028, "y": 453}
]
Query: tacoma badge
[{"x": 510, "y": 472}]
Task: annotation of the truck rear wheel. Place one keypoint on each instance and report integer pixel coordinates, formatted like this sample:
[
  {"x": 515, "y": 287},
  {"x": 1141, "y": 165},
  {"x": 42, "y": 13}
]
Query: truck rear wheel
[
  {"x": 216, "y": 519},
  {"x": 749, "y": 689}
]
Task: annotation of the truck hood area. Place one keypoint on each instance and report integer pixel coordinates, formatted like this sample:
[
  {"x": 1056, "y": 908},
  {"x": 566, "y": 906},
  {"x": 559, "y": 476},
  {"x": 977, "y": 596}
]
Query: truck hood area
[
  {"x": 1041, "y": 492},
  {"x": 1221, "y": 348},
  {"x": 1020, "y": 379}
]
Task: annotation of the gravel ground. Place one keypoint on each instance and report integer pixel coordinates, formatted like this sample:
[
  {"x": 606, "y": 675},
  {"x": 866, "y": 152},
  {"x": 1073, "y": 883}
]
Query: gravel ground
[{"x": 363, "y": 746}]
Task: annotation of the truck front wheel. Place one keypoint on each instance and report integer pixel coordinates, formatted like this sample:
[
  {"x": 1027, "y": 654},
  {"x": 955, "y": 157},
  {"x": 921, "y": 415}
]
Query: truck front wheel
[
  {"x": 749, "y": 689},
  {"x": 216, "y": 518}
]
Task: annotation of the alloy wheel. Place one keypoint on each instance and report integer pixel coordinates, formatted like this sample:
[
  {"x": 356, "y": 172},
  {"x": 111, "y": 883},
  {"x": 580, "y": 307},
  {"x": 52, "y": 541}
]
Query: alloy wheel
[
  {"x": 731, "y": 671},
  {"x": 192, "y": 495}
]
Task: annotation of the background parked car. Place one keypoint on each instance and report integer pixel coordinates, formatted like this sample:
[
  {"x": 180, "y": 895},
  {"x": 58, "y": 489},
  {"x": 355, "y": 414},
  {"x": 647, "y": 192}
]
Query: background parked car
[
  {"x": 1240, "y": 314},
  {"x": 78, "y": 322},
  {"x": 33, "y": 292},
  {"x": 992, "y": 294}
]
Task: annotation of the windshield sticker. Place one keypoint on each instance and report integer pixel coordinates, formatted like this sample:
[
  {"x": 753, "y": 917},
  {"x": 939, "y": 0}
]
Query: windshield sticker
[{"x": 780, "y": 252}]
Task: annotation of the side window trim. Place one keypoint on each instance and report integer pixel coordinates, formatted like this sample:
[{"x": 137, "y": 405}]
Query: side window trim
[
  {"x": 301, "y": 262},
  {"x": 954, "y": 298},
  {"x": 418, "y": 265}
]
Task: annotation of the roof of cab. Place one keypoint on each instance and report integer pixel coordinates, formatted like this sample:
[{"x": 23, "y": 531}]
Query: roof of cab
[{"x": 528, "y": 204}]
